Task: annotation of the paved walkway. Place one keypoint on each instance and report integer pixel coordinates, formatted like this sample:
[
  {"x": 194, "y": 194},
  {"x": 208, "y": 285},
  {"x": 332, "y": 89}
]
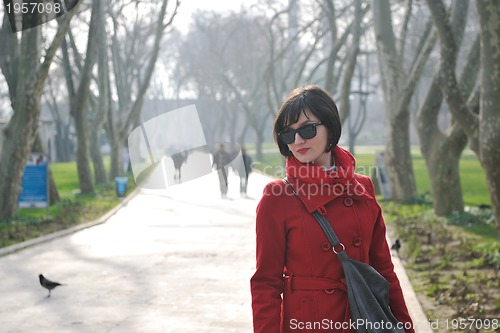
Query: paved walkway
[{"x": 177, "y": 260}]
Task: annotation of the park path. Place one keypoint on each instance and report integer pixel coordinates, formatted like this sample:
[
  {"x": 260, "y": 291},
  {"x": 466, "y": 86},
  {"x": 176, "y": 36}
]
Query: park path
[{"x": 176, "y": 260}]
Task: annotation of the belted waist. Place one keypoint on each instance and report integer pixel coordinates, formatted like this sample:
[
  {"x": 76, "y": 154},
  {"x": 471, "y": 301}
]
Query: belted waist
[{"x": 314, "y": 283}]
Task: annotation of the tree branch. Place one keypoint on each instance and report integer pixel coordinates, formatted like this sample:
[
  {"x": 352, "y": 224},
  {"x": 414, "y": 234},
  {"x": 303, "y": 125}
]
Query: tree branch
[{"x": 448, "y": 81}]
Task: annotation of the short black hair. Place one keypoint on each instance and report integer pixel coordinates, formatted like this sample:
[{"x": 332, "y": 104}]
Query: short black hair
[{"x": 317, "y": 101}]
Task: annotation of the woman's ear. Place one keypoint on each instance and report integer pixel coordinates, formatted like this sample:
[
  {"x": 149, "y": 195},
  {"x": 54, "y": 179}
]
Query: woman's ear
[{"x": 330, "y": 144}]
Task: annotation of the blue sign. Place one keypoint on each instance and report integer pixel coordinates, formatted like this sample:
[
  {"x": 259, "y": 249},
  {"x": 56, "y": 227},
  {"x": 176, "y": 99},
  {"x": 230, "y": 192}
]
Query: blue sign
[{"x": 34, "y": 184}]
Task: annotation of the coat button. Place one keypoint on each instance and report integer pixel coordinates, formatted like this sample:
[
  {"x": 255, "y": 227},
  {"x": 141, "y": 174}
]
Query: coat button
[
  {"x": 326, "y": 246},
  {"x": 348, "y": 202},
  {"x": 356, "y": 242}
]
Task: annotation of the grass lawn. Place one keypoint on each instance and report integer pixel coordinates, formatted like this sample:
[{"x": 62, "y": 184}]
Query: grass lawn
[{"x": 66, "y": 178}]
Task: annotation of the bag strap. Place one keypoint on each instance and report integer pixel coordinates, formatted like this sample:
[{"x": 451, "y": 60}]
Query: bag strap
[{"x": 326, "y": 226}]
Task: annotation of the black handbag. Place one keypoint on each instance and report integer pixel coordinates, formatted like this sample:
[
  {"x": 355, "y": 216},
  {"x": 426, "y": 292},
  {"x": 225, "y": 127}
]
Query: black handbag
[{"x": 367, "y": 290}]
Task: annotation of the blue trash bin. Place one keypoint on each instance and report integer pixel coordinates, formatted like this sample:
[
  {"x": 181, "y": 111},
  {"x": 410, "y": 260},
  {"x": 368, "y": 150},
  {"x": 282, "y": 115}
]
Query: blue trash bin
[{"x": 121, "y": 186}]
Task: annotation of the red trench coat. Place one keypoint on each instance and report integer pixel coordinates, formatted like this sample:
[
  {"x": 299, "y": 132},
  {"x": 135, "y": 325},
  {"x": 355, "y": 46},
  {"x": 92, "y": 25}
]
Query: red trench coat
[{"x": 298, "y": 285}]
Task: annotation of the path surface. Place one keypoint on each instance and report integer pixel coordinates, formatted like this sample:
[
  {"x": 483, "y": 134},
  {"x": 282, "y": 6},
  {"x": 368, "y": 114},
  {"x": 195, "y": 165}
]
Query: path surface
[{"x": 177, "y": 260}]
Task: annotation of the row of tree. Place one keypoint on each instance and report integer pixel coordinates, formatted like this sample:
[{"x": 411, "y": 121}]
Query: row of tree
[
  {"x": 469, "y": 85},
  {"x": 99, "y": 73},
  {"x": 432, "y": 55}
]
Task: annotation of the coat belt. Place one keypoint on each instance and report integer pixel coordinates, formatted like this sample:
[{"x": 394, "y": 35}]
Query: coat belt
[{"x": 314, "y": 283}]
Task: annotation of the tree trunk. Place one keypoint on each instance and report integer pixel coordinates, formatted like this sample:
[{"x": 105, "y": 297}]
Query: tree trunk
[
  {"x": 442, "y": 161},
  {"x": 398, "y": 88},
  {"x": 63, "y": 142},
  {"x": 442, "y": 150},
  {"x": 117, "y": 168},
  {"x": 9, "y": 56},
  {"x": 18, "y": 139},
  {"x": 21, "y": 131},
  {"x": 103, "y": 103},
  {"x": 96, "y": 156},
  {"x": 398, "y": 159},
  {"x": 448, "y": 82},
  {"x": 483, "y": 131},
  {"x": 79, "y": 108},
  {"x": 345, "y": 91},
  {"x": 82, "y": 154},
  {"x": 489, "y": 120},
  {"x": 491, "y": 161}
]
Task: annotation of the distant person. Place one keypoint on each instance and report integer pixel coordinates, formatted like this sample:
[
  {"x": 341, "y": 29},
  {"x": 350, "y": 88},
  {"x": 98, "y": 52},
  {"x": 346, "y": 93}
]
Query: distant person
[
  {"x": 179, "y": 159},
  {"x": 244, "y": 171},
  {"x": 221, "y": 160},
  {"x": 40, "y": 160}
]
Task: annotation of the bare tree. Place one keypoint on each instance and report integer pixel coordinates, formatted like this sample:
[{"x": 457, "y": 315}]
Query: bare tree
[
  {"x": 222, "y": 59},
  {"x": 32, "y": 69},
  {"x": 398, "y": 86},
  {"x": 442, "y": 149},
  {"x": 80, "y": 67},
  {"x": 259, "y": 57},
  {"x": 320, "y": 48},
  {"x": 102, "y": 104},
  {"x": 356, "y": 120},
  {"x": 80, "y": 103},
  {"x": 294, "y": 51},
  {"x": 483, "y": 129},
  {"x": 133, "y": 68},
  {"x": 352, "y": 60},
  {"x": 244, "y": 82},
  {"x": 336, "y": 39}
]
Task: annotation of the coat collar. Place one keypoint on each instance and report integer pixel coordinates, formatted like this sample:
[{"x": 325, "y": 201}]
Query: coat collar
[{"x": 317, "y": 186}]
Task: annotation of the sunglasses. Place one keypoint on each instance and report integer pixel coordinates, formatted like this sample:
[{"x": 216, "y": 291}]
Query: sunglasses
[{"x": 306, "y": 132}]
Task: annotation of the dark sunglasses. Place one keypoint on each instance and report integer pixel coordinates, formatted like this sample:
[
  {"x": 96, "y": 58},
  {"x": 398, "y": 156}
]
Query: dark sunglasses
[{"x": 306, "y": 132}]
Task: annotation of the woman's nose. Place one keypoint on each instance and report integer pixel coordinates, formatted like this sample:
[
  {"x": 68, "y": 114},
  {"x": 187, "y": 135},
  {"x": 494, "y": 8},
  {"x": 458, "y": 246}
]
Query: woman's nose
[{"x": 298, "y": 138}]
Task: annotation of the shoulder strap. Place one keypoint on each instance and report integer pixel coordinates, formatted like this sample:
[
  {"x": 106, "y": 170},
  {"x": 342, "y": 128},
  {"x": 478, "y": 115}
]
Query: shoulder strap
[{"x": 326, "y": 226}]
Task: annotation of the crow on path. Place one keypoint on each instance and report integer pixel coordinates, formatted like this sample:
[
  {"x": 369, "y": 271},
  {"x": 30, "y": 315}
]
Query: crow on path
[
  {"x": 48, "y": 284},
  {"x": 396, "y": 246}
]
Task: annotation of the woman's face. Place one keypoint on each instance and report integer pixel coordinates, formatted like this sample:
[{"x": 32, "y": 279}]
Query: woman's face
[{"x": 313, "y": 149}]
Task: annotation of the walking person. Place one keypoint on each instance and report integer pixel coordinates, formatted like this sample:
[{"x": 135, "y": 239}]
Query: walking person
[
  {"x": 221, "y": 160},
  {"x": 178, "y": 159},
  {"x": 244, "y": 171},
  {"x": 299, "y": 284}
]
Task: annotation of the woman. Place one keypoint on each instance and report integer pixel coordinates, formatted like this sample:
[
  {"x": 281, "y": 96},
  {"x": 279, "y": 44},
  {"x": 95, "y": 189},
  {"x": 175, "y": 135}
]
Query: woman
[{"x": 298, "y": 285}]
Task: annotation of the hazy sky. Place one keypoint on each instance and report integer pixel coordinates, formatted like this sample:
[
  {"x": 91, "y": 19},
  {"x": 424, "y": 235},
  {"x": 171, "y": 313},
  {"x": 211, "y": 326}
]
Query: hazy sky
[{"x": 187, "y": 7}]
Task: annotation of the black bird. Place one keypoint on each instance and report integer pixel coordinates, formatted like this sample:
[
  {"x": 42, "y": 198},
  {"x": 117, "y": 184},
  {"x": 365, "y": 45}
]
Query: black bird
[
  {"x": 396, "y": 246},
  {"x": 48, "y": 284}
]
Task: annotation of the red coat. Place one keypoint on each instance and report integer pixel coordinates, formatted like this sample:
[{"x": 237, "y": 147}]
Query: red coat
[{"x": 298, "y": 284}]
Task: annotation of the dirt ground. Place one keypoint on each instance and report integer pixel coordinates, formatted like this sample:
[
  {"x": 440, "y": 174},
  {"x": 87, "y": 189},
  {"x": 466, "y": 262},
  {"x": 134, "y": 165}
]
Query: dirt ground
[{"x": 456, "y": 280}]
